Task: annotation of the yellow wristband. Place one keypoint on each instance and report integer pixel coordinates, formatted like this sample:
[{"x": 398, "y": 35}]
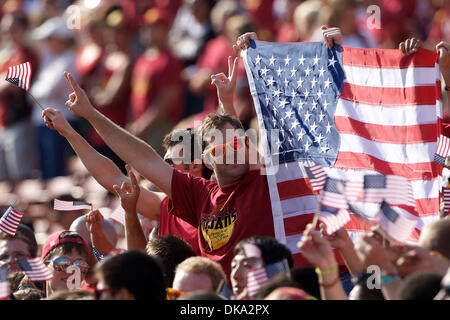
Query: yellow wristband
[{"x": 325, "y": 272}]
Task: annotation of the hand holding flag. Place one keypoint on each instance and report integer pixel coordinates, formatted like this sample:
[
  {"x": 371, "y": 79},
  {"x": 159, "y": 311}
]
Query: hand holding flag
[{"x": 55, "y": 120}]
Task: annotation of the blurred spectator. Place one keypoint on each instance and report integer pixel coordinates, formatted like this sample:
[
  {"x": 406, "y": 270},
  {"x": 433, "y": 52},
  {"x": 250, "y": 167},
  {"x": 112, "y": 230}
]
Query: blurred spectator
[
  {"x": 306, "y": 17},
  {"x": 286, "y": 31},
  {"x": 22, "y": 245},
  {"x": 55, "y": 43},
  {"x": 157, "y": 92},
  {"x": 16, "y": 147}
]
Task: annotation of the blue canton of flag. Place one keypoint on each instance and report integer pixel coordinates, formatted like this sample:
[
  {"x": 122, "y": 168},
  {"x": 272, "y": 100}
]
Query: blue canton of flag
[{"x": 297, "y": 92}]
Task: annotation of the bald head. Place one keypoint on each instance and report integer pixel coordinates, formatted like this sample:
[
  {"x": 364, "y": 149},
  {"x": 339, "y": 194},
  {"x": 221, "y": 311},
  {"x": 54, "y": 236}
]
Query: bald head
[
  {"x": 79, "y": 225},
  {"x": 435, "y": 236}
]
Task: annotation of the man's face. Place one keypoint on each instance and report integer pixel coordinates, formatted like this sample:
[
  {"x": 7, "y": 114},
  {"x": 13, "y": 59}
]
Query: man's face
[
  {"x": 227, "y": 153},
  {"x": 59, "y": 268},
  {"x": 174, "y": 156},
  {"x": 11, "y": 250},
  {"x": 241, "y": 264}
]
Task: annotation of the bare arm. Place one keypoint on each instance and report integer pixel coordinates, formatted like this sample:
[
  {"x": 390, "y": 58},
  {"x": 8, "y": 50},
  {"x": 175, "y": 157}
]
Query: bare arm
[
  {"x": 100, "y": 167},
  {"x": 128, "y": 193},
  {"x": 94, "y": 223},
  {"x": 131, "y": 149}
]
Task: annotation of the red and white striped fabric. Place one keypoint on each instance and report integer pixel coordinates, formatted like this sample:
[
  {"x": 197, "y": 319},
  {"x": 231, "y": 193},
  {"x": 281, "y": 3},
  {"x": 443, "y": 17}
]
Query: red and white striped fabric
[
  {"x": 20, "y": 75},
  {"x": 443, "y": 148},
  {"x": 388, "y": 118},
  {"x": 318, "y": 179},
  {"x": 10, "y": 221},
  {"x": 4, "y": 283},
  {"x": 255, "y": 279},
  {"x": 118, "y": 215},
  {"x": 35, "y": 269},
  {"x": 394, "y": 224},
  {"x": 446, "y": 199},
  {"x": 63, "y": 205}
]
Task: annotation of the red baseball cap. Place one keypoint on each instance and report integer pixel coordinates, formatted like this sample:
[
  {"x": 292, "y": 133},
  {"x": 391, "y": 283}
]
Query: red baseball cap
[{"x": 55, "y": 239}]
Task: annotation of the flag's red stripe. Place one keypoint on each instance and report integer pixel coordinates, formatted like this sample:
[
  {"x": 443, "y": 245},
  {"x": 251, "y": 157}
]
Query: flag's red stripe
[
  {"x": 387, "y": 134},
  {"x": 293, "y": 189},
  {"x": 419, "y": 95},
  {"x": 414, "y": 171},
  {"x": 392, "y": 59},
  {"x": 297, "y": 224},
  {"x": 427, "y": 207}
]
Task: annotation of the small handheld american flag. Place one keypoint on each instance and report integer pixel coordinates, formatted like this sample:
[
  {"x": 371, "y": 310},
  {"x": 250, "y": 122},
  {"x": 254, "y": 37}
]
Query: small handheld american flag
[
  {"x": 35, "y": 269},
  {"x": 333, "y": 209},
  {"x": 446, "y": 199},
  {"x": 316, "y": 176},
  {"x": 10, "y": 221},
  {"x": 258, "y": 276},
  {"x": 397, "y": 226},
  {"x": 442, "y": 150},
  {"x": 62, "y": 205},
  {"x": 20, "y": 75}
]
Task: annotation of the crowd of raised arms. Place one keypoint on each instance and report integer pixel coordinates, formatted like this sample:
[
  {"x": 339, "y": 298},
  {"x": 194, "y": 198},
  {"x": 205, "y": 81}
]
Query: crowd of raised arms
[{"x": 120, "y": 180}]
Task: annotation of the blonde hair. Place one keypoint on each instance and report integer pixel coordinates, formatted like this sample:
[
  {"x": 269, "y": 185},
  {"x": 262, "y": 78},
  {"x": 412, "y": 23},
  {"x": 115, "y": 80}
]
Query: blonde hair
[{"x": 203, "y": 265}]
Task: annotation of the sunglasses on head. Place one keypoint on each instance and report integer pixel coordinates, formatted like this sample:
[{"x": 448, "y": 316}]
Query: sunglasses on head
[
  {"x": 62, "y": 263},
  {"x": 221, "y": 150}
]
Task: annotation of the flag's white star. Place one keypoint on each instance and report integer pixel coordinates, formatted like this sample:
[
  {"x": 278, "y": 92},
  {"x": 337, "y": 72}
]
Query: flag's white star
[
  {"x": 279, "y": 71},
  {"x": 332, "y": 61},
  {"x": 307, "y": 115},
  {"x": 275, "y": 111},
  {"x": 274, "y": 121},
  {"x": 325, "y": 105},
  {"x": 316, "y": 59},
  {"x": 293, "y": 71},
  {"x": 293, "y": 93},
  {"x": 277, "y": 92},
  {"x": 267, "y": 100},
  {"x": 313, "y": 127},
  {"x": 313, "y": 82},
  {"x": 270, "y": 81},
  {"x": 290, "y": 140},
  {"x": 306, "y": 93},
  {"x": 282, "y": 124},
  {"x": 272, "y": 61},
  {"x": 299, "y": 82},
  {"x": 324, "y": 148},
  {"x": 314, "y": 105},
  {"x": 300, "y": 104},
  {"x": 319, "y": 94},
  {"x": 301, "y": 60},
  {"x": 278, "y": 144},
  {"x": 307, "y": 145},
  {"x": 257, "y": 60},
  {"x": 321, "y": 116},
  {"x": 287, "y": 60},
  {"x": 289, "y": 114},
  {"x": 286, "y": 82},
  {"x": 301, "y": 134},
  {"x": 321, "y": 71},
  {"x": 328, "y": 126},
  {"x": 307, "y": 71},
  {"x": 264, "y": 71},
  {"x": 327, "y": 83},
  {"x": 319, "y": 138},
  {"x": 283, "y": 102},
  {"x": 294, "y": 124}
]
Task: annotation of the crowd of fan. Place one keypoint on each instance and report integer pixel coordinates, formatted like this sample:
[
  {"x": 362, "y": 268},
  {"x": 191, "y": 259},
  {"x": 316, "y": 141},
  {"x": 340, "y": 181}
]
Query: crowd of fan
[{"x": 153, "y": 68}]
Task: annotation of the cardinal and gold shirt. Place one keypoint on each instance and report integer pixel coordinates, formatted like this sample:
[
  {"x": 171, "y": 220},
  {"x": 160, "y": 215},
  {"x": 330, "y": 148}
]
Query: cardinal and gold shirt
[{"x": 223, "y": 216}]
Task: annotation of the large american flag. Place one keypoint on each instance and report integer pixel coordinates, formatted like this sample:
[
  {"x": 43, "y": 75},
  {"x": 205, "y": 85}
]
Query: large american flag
[
  {"x": 20, "y": 75},
  {"x": 354, "y": 112}
]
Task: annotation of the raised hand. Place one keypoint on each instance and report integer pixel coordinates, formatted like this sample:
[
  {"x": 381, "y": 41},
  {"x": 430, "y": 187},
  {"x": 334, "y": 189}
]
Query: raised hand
[
  {"x": 55, "y": 120},
  {"x": 316, "y": 249},
  {"x": 371, "y": 251},
  {"x": 331, "y": 36},
  {"x": 338, "y": 240},
  {"x": 78, "y": 101},
  {"x": 226, "y": 85},
  {"x": 243, "y": 42},
  {"x": 94, "y": 222},
  {"x": 409, "y": 46},
  {"x": 128, "y": 192}
]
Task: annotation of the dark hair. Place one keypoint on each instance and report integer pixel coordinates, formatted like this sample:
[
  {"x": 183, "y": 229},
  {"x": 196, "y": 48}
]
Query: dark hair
[
  {"x": 176, "y": 136},
  {"x": 67, "y": 247},
  {"x": 25, "y": 234},
  {"x": 307, "y": 280},
  {"x": 72, "y": 295},
  {"x": 139, "y": 273},
  {"x": 363, "y": 291},
  {"x": 271, "y": 250},
  {"x": 170, "y": 251},
  {"x": 437, "y": 237},
  {"x": 420, "y": 286}
]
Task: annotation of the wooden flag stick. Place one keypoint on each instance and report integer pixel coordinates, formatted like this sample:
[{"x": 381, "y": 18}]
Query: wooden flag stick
[{"x": 35, "y": 100}]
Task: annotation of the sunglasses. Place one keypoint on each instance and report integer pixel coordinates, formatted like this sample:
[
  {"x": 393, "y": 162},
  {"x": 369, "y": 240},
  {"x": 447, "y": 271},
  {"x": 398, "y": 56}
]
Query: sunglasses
[
  {"x": 62, "y": 263},
  {"x": 174, "y": 294},
  {"x": 221, "y": 150}
]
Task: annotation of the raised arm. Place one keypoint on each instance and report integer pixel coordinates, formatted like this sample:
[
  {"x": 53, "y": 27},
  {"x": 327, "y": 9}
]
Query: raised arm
[
  {"x": 131, "y": 149},
  {"x": 226, "y": 85},
  {"x": 100, "y": 167}
]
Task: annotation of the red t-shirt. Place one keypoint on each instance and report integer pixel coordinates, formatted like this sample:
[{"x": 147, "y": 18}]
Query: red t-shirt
[
  {"x": 150, "y": 76},
  {"x": 170, "y": 224},
  {"x": 247, "y": 213}
]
